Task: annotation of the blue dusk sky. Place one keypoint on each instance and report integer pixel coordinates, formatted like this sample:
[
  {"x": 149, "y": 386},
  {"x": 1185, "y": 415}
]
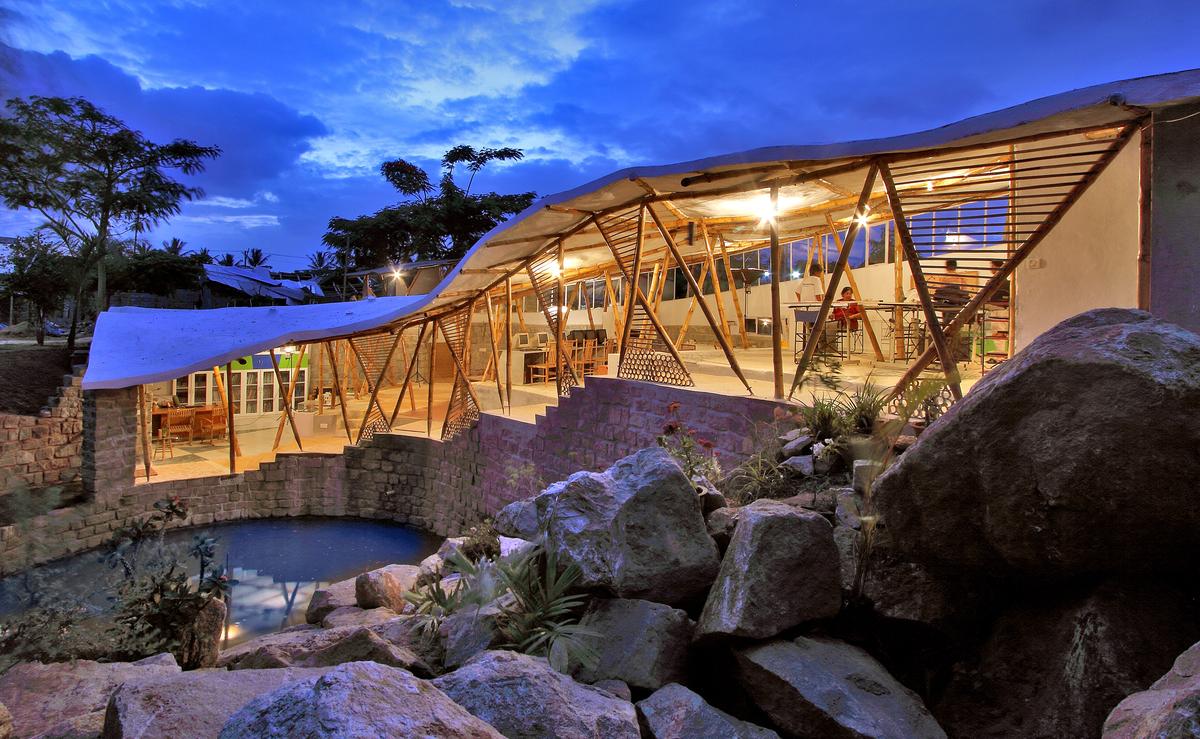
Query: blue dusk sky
[{"x": 307, "y": 98}]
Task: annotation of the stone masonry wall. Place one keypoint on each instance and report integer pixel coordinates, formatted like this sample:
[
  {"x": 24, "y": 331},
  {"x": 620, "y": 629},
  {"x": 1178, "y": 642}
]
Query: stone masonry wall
[
  {"x": 440, "y": 487},
  {"x": 43, "y": 450}
]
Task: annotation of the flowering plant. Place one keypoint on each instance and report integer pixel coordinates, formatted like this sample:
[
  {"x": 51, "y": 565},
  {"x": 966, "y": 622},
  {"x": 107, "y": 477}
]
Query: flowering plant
[{"x": 696, "y": 455}]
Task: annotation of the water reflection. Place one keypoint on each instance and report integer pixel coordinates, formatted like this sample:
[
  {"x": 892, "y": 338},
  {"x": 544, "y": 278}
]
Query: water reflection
[{"x": 278, "y": 563}]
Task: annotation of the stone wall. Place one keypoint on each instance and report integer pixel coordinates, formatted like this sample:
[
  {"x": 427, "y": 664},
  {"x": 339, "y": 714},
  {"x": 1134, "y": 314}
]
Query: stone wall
[
  {"x": 43, "y": 450},
  {"x": 440, "y": 487}
]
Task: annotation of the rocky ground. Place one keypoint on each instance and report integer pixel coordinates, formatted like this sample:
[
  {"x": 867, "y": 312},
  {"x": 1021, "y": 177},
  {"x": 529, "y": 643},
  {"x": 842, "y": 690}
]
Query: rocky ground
[{"x": 1029, "y": 565}]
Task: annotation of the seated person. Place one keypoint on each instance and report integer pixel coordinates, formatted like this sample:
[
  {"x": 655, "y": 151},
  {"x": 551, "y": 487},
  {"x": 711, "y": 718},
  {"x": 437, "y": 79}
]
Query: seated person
[{"x": 850, "y": 313}]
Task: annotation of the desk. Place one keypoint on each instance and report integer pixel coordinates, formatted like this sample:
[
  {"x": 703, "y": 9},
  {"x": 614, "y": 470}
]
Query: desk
[
  {"x": 903, "y": 315},
  {"x": 521, "y": 360}
]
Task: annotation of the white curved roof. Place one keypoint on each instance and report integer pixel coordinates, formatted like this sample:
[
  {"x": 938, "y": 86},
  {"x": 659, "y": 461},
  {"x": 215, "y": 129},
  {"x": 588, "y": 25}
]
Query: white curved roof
[{"x": 135, "y": 345}]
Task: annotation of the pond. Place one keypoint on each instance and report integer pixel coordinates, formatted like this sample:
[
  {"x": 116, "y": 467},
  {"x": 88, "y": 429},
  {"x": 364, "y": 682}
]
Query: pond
[{"x": 278, "y": 563}]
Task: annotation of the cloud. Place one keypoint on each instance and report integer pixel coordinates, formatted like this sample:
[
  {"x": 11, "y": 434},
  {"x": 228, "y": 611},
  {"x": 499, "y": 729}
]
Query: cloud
[{"x": 258, "y": 220}]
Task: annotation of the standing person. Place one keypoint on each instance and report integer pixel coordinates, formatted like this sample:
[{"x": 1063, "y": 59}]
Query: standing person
[{"x": 812, "y": 287}]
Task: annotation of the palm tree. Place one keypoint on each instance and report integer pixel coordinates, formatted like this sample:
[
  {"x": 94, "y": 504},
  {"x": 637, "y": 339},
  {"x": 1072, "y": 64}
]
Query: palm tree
[
  {"x": 226, "y": 260},
  {"x": 174, "y": 246},
  {"x": 203, "y": 256},
  {"x": 321, "y": 261},
  {"x": 254, "y": 258}
]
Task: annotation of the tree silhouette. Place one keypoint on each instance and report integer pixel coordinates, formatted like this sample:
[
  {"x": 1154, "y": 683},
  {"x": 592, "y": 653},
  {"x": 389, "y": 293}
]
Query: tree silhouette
[
  {"x": 253, "y": 258},
  {"x": 433, "y": 222}
]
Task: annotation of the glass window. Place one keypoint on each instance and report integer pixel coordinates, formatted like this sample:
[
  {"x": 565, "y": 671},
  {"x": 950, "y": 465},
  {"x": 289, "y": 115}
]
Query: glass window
[
  {"x": 181, "y": 391},
  {"x": 298, "y": 395},
  {"x": 252, "y": 392},
  {"x": 270, "y": 391},
  {"x": 200, "y": 388},
  {"x": 235, "y": 391}
]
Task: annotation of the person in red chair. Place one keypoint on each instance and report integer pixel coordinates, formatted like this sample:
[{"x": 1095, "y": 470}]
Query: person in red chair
[{"x": 849, "y": 313}]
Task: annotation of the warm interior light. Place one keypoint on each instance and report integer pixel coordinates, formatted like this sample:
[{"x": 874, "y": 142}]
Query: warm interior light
[
  {"x": 795, "y": 275},
  {"x": 929, "y": 186},
  {"x": 552, "y": 270}
]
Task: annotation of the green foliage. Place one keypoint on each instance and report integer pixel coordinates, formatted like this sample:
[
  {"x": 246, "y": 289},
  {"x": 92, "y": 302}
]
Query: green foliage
[
  {"x": 432, "y": 603},
  {"x": 544, "y": 619},
  {"x": 482, "y": 542},
  {"x": 861, "y": 408},
  {"x": 90, "y": 176},
  {"x": 152, "y": 271},
  {"x": 695, "y": 455},
  {"x": 38, "y": 270},
  {"x": 824, "y": 418},
  {"x": 152, "y": 599},
  {"x": 760, "y": 476},
  {"x": 433, "y": 222}
]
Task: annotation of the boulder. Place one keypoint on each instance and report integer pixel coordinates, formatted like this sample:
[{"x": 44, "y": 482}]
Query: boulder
[
  {"x": 68, "y": 698},
  {"x": 333, "y": 596},
  {"x": 848, "y": 510},
  {"x": 323, "y": 648},
  {"x": 827, "y": 688},
  {"x": 720, "y": 524},
  {"x": 847, "y": 542},
  {"x": 1055, "y": 664},
  {"x": 200, "y": 643},
  {"x": 512, "y": 548},
  {"x": 385, "y": 587},
  {"x": 450, "y": 546},
  {"x": 800, "y": 444},
  {"x": 190, "y": 704},
  {"x": 641, "y": 643},
  {"x": 864, "y": 473},
  {"x": 470, "y": 631},
  {"x": 518, "y": 519},
  {"x": 355, "y": 616},
  {"x": 616, "y": 687},
  {"x": 432, "y": 567},
  {"x": 1081, "y": 450},
  {"x": 674, "y": 712},
  {"x": 793, "y": 434},
  {"x": 710, "y": 498},
  {"x": 522, "y": 696},
  {"x": 1169, "y": 708},
  {"x": 780, "y": 570},
  {"x": 799, "y": 466},
  {"x": 635, "y": 529},
  {"x": 357, "y": 699}
]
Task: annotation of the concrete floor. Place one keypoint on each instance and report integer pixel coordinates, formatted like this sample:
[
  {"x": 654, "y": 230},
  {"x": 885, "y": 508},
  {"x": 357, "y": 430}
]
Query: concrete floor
[{"x": 708, "y": 367}]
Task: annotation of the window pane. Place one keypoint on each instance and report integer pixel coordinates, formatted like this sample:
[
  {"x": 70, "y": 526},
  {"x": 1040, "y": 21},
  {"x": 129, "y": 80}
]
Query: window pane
[
  {"x": 252, "y": 392},
  {"x": 298, "y": 396},
  {"x": 200, "y": 388},
  {"x": 270, "y": 389},
  {"x": 181, "y": 391},
  {"x": 235, "y": 391}
]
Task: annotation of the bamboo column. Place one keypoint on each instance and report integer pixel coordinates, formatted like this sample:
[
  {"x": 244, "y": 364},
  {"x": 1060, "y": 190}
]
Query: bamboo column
[
  {"x": 562, "y": 355},
  {"x": 687, "y": 317},
  {"x": 229, "y": 420},
  {"x": 716, "y": 280},
  {"x": 837, "y": 239},
  {"x": 429, "y": 395},
  {"x": 495, "y": 350},
  {"x": 144, "y": 427},
  {"x": 733, "y": 293},
  {"x": 725, "y": 346},
  {"x": 374, "y": 399},
  {"x": 287, "y": 403},
  {"x": 810, "y": 346},
  {"x": 634, "y": 286},
  {"x": 508, "y": 343},
  {"x": 408, "y": 375},
  {"x": 776, "y": 304},
  {"x": 337, "y": 386},
  {"x": 293, "y": 373},
  {"x": 224, "y": 402}
]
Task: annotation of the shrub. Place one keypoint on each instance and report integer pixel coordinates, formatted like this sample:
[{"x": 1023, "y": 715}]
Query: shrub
[
  {"x": 697, "y": 456},
  {"x": 544, "y": 620},
  {"x": 482, "y": 542},
  {"x": 824, "y": 418},
  {"x": 861, "y": 408}
]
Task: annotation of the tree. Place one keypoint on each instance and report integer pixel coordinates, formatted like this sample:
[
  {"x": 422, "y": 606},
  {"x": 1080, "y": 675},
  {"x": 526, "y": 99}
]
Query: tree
[
  {"x": 203, "y": 256},
  {"x": 153, "y": 271},
  {"x": 39, "y": 271},
  {"x": 226, "y": 260},
  {"x": 175, "y": 246},
  {"x": 91, "y": 177},
  {"x": 320, "y": 262},
  {"x": 254, "y": 258},
  {"x": 439, "y": 222}
]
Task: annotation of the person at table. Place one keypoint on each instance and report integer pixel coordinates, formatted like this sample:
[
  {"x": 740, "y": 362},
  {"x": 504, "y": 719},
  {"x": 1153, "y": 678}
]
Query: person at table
[
  {"x": 849, "y": 313},
  {"x": 812, "y": 287}
]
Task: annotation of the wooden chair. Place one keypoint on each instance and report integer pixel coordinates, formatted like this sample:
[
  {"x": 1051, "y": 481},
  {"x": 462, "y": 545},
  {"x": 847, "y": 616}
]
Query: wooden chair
[
  {"x": 547, "y": 369},
  {"x": 179, "y": 424},
  {"x": 588, "y": 360},
  {"x": 212, "y": 425},
  {"x": 163, "y": 447},
  {"x": 599, "y": 360},
  {"x": 577, "y": 355}
]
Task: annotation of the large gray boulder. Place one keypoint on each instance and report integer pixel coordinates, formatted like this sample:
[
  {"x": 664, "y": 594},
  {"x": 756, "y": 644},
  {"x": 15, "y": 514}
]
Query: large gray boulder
[
  {"x": 635, "y": 529},
  {"x": 357, "y": 699},
  {"x": 323, "y": 648},
  {"x": 328, "y": 599},
  {"x": 643, "y": 644},
  {"x": 385, "y": 587},
  {"x": 190, "y": 704},
  {"x": 781, "y": 569},
  {"x": 1076, "y": 457},
  {"x": 1168, "y": 708},
  {"x": 827, "y": 688},
  {"x": 525, "y": 698},
  {"x": 355, "y": 616},
  {"x": 69, "y": 698},
  {"x": 518, "y": 520},
  {"x": 471, "y": 630},
  {"x": 674, "y": 712},
  {"x": 1055, "y": 664}
]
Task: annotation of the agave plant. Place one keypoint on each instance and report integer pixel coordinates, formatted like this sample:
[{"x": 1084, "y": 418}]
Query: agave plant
[{"x": 543, "y": 621}]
